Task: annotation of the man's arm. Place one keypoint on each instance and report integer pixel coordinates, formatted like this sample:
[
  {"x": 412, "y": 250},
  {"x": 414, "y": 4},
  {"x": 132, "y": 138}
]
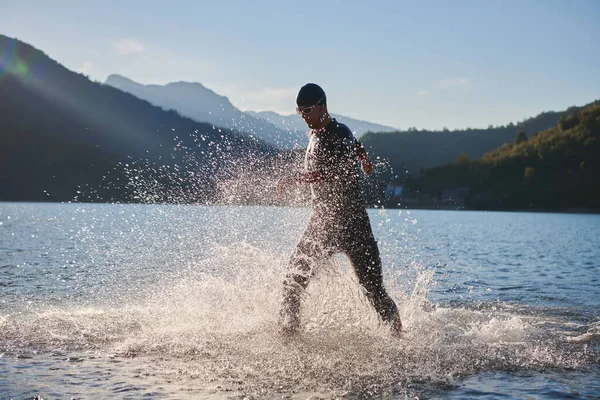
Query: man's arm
[
  {"x": 309, "y": 177},
  {"x": 365, "y": 162},
  {"x": 299, "y": 178}
]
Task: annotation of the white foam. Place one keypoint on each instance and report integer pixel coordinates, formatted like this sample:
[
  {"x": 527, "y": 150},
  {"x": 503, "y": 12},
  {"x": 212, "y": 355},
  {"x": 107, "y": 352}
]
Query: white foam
[{"x": 592, "y": 333}]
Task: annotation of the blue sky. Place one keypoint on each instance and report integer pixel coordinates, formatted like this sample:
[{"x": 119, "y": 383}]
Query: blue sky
[{"x": 427, "y": 64}]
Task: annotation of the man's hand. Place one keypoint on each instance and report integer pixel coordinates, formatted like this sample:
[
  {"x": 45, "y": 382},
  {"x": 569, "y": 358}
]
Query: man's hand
[
  {"x": 311, "y": 177},
  {"x": 366, "y": 164},
  {"x": 302, "y": 178},
  {"x": 284, "y": 183}
]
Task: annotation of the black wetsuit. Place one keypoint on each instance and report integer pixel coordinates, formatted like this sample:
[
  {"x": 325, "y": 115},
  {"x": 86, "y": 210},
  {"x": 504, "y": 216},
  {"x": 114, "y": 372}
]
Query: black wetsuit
[{"x": 339, "y": 222}]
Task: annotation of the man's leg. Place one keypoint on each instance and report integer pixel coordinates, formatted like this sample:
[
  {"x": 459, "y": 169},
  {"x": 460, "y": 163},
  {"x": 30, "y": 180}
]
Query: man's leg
[
  {"x": 300, "y": 268},
  {"x": 364, "y": 256}
]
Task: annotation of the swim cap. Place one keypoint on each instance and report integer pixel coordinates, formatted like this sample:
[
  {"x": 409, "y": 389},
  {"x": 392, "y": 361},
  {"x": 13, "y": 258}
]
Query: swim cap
[{"x": 311, "y": 94}]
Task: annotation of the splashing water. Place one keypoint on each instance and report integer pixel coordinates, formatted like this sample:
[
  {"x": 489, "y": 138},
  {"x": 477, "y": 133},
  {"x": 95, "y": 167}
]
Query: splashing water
[{"x": 215, "y": 329}]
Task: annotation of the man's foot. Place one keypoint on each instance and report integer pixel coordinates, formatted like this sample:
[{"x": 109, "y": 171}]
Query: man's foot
[
  {"x": 288, "y": 331},
  {"x": 289, "y": 314},
  {"x": 396, "y": 327},
  {"x": 289, "y": 322}
]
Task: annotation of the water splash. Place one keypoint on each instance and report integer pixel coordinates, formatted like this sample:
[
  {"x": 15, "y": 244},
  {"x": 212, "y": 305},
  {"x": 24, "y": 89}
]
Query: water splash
[{"x": 217, "y": 327}]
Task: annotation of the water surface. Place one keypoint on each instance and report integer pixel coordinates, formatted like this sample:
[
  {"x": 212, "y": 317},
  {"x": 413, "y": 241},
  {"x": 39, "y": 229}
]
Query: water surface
[{"x": 130, "y": 301}]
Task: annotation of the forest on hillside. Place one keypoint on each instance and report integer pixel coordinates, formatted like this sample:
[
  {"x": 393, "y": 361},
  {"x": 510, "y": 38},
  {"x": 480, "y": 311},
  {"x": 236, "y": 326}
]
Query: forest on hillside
[
  {"x": 554, "y": 169},
  {"x": 66, "y": 138},
  {"x": 408, "y": 152}
]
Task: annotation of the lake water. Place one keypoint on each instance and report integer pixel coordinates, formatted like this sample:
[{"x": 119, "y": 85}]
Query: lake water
[{"x": 180, "y": 302}]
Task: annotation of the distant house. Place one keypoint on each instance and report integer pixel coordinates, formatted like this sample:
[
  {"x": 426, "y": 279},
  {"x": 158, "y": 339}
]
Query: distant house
[
  {"x": 393, "y": 191},
  {"x": 398, "y": 194}
]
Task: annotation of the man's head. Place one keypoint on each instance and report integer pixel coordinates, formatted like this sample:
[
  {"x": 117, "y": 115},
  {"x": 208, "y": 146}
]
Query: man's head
[{"x": 312, "y": 105}]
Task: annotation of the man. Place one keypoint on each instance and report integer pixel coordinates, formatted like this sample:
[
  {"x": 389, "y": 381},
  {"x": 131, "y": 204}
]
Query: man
[{"x": 339, "y": 222}]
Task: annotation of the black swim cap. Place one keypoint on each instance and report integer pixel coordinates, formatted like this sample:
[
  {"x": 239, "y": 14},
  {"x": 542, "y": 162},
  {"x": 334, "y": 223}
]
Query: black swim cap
[{"x": 311, "y": 94}]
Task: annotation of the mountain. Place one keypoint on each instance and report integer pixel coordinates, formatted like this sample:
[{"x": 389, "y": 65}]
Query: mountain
[
  {"x": 66, "y": 138},
  {"x": 412, "y": 150},
  {"x": 195, "y": 101},
  {"x": 295, "y": 123},
  {"x": 554, "y": 169}
]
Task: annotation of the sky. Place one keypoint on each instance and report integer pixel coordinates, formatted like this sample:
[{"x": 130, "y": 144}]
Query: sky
[{"x": 424, "y": 64}]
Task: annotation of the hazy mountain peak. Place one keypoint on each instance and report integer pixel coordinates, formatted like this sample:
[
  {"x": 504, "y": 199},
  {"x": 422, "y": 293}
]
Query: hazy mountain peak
[
  {"x": 194, "y": 100},
  {"x": 189, "y": 85},
  {"x": 194, "y": 89},
  {"x": 119, "y": 79}
]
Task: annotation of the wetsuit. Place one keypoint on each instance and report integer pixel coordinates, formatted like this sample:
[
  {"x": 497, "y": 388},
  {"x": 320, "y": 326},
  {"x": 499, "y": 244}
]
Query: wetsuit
[{"x": 339, "y": 223}]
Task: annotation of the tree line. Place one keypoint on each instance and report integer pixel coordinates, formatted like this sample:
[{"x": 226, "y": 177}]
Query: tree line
[
  {"x": 554, "y": 169},
  {"x": 413, "y": 150}
]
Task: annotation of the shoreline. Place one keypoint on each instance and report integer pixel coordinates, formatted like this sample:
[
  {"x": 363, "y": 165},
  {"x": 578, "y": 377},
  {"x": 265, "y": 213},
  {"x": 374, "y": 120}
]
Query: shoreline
[{"x": 442, "y": 207}]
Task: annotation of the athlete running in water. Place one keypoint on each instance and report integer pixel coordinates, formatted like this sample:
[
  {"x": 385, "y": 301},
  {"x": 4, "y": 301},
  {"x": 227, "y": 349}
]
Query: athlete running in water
[{"x": 339, "y": 222}]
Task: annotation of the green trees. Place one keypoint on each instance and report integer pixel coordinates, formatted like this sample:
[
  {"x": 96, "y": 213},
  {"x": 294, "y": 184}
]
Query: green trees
[
  {"x": 556, "y": 168},
  {"x": 414, "y": 149},
  {"x": 521, "y": 137},
  {"x": 463, "y": 159}
]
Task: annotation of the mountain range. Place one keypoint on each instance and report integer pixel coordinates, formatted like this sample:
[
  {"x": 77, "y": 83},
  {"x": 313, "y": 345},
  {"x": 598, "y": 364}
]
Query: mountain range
[
  {"x": 194, "y": 100},
  {"x": 64, "y": 137}
]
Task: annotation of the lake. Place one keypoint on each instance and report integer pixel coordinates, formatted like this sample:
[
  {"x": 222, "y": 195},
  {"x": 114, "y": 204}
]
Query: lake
[{"x": 104, "y": 301}]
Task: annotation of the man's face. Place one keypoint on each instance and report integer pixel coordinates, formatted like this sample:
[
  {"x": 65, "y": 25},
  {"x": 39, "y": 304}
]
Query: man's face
[{"x": 313, "y": 115}]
